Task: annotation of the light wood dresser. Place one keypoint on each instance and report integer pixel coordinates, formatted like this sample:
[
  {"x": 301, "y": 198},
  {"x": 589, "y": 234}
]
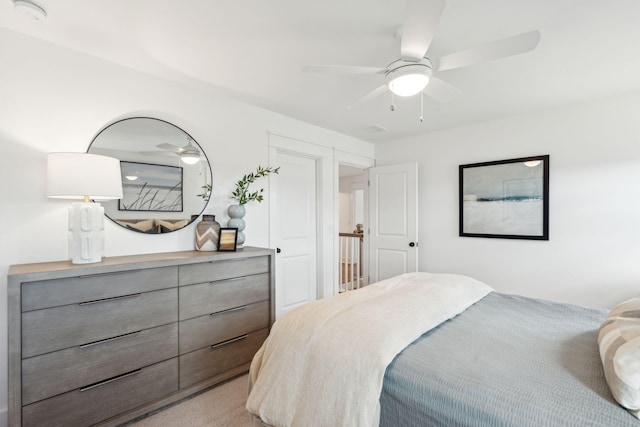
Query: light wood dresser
[{"x": 104, "y": 343}]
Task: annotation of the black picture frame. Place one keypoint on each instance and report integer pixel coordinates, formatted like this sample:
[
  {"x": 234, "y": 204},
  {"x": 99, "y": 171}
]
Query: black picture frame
[
  {"x": 228, "y": 239},
  {"x": 147, "y": 187},
  {"x": 505, "y": 199}
]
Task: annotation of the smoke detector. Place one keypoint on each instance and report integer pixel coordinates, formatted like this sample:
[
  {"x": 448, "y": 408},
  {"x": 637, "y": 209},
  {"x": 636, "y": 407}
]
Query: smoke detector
[{"x": 30, "y": 9}]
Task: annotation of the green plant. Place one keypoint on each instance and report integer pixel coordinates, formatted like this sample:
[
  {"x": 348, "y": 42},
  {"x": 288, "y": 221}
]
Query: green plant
[
  {"x": 206, "y": 193},
  {"x": 242, "y": 194}
]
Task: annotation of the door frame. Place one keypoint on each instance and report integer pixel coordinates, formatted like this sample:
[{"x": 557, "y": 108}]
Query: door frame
[
  {"x": 354, "y": 160},
  {"x": 324, "y": 203}
]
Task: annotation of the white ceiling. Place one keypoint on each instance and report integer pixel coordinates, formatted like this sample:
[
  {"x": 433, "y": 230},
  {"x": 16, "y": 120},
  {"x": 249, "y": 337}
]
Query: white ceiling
[{"x": 254, "y": 50}]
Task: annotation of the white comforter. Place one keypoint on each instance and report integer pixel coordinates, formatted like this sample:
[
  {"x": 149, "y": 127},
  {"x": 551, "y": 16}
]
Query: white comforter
[{"x": 323, "y": 363}]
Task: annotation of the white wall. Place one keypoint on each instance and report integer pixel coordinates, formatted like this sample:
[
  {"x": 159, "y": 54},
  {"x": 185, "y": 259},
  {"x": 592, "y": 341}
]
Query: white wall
[
  {"x": 55, "y": 99},
  {"x": 347, "y": 202},
  {"x": 593, "y": 255}
]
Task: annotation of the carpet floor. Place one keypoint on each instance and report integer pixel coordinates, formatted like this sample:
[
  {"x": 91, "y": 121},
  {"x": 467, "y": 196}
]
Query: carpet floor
[{"x": 222, "y": 406}]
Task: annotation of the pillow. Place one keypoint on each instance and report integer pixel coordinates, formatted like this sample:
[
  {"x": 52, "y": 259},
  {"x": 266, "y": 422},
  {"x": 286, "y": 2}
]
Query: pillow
[
  {"x": 168, "y": 226},
  {"x": 146, "y": 226},
  {"x": 619, "y": 343},
  {"x": 153, "y": 230}
]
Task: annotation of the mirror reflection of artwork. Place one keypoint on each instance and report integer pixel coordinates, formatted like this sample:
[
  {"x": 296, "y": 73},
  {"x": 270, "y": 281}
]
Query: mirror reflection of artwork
[
  {"x": 505, "y": 199},
  {"x": 147, "y": 187}
]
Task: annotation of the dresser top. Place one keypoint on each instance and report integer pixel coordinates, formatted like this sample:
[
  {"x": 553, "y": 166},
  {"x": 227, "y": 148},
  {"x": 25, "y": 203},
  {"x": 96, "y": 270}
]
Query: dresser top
[{"x": 57, "y": 269}]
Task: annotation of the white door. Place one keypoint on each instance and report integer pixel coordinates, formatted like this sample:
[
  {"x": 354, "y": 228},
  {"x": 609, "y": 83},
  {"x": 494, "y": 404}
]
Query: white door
[
  {"x": 294, "y": 199},
  {"x": 393, "y": 220}
]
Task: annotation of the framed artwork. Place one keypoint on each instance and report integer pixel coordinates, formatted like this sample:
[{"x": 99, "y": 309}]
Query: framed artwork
[
  {"x": 149, "y": 187},
  {"x": 506, "y": 199},
  {"x": 228, "y": 239}
]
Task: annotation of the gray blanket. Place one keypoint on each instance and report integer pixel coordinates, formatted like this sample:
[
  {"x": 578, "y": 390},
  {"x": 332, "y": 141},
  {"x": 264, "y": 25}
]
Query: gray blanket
[{"x": 505, "y": 361}]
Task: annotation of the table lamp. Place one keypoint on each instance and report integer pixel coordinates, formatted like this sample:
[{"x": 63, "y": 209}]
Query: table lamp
[{"x": 84, "y": 177}]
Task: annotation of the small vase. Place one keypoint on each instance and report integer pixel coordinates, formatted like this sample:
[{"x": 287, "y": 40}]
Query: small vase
[
  {"x": 207, "y": 234},
  {"x": 236, "y": 213}
]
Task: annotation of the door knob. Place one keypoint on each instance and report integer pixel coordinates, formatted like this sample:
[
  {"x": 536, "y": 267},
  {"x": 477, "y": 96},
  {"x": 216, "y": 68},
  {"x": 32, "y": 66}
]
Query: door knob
[{"x": 412, "y": 244}]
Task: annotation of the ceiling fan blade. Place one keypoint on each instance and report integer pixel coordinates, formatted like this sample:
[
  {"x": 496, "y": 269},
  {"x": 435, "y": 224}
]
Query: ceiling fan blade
[
  {"x": 368, "y": 97},
  {"x": 441, "y": 91},
  {"x": 420, "y": 22},
  {"x": 158, "y": 153},
  {"x": 343, "y": 69},
  {"x": 170, "y": 147},
  {"x": 502, "y": 48}
]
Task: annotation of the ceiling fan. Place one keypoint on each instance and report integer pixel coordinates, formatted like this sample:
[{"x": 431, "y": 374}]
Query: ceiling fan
[
  {"x": 189, "y": 154},
  {"x": 413, "y": 72}
]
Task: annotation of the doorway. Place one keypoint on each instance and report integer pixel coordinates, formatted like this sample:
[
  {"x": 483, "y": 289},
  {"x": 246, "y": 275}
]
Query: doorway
[
  {"x": 324, "y": 164},
  {"x": 352, "y": 240},
  {"x": 301, "y": 201}
]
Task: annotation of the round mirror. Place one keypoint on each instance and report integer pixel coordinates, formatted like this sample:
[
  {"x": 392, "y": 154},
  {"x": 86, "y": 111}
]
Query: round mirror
[{"x": 166, "y": 177}]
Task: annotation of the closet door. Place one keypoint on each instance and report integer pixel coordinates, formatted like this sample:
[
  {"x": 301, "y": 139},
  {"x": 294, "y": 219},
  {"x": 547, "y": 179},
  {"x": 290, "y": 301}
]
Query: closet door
[{"x": 393, "y": 221}]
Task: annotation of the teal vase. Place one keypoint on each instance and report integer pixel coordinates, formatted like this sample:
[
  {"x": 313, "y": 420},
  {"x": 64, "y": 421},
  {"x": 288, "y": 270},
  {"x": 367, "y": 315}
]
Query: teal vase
[{"x": 236, "y": 215}]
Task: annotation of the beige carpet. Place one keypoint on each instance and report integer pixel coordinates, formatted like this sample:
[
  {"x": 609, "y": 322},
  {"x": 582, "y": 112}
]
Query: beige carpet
[{"x": 222, "y": 406}]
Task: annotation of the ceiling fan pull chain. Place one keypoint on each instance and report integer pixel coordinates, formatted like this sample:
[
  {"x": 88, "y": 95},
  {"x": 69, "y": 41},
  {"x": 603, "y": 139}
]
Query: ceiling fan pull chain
[
  {"x": 392, "y": 107},
  {"x": 421, "y": 106}
]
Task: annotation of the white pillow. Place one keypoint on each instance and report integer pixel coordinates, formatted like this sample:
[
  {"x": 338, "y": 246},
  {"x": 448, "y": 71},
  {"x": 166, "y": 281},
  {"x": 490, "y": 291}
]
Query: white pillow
[
  {"x": 619, "y": 343},
  {"x": 171, "y": 226}
]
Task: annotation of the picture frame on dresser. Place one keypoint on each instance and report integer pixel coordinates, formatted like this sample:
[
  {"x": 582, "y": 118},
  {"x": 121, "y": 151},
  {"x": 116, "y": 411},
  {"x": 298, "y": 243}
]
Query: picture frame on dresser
[{"x": 228, "y": 239}]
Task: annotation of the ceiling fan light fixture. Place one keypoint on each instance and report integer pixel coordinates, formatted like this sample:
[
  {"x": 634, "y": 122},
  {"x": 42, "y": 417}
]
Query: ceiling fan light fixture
[
  {"x": 190, "y": 157},
  {"x": 409, "y": 80},
  {"x": 30, "y": 9},
  {"x": 409, "y": 84}
]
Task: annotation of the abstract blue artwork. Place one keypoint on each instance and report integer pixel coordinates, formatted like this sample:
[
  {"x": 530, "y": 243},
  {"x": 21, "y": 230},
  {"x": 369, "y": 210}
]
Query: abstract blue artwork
[{"x": 505, "y": 199}]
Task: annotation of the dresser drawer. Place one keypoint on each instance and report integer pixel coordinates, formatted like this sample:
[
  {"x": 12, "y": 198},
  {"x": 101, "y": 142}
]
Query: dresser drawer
[
  {"x": 97, "y": 402},
  {"x": 72, "y": 325},
  {"x": 61, "y": 371},
  {"x": 207, "y": 362},
  {"x": 219, "y": 270},
  {"x": 52, "y": 293},
  {"x": 212, "y": 329},
  {"x": 207, "y": 298}
]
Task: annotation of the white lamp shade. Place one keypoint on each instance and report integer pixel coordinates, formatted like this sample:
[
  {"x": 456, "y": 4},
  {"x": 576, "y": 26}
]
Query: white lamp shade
[{"x": 80, "y": 175}]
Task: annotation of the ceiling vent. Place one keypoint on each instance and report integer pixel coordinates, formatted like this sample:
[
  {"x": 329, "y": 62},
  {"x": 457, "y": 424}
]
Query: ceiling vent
[{"x": 377, "y": 128}]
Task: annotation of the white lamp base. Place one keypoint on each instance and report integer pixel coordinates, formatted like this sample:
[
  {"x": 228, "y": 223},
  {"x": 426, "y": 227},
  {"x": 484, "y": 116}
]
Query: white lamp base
[{"x": 86, "y": 232}]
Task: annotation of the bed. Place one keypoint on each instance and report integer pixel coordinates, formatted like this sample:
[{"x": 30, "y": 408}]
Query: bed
[{"x": 501, "y": 360}]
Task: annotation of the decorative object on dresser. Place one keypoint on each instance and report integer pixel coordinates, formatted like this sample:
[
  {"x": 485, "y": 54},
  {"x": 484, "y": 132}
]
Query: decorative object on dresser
[
  {"x": 243, "y": 196},
  {"x": 228, "y": 239},
  {"x": 166, "y": 174},
  {"x": 236, "y": 220},
  {"x": 207, "y": 234},
  {"x": 107, "y": 343},
  {"x": 84, "y": 176}
]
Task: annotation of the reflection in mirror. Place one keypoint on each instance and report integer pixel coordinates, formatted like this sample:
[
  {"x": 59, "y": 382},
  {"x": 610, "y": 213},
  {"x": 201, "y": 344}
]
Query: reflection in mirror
[{"x": 166, "y": 177}]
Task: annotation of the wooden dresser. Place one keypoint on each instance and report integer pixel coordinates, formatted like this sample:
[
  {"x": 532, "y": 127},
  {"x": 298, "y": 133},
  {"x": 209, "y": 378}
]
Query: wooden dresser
[{"x": 105, "y": 343}]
